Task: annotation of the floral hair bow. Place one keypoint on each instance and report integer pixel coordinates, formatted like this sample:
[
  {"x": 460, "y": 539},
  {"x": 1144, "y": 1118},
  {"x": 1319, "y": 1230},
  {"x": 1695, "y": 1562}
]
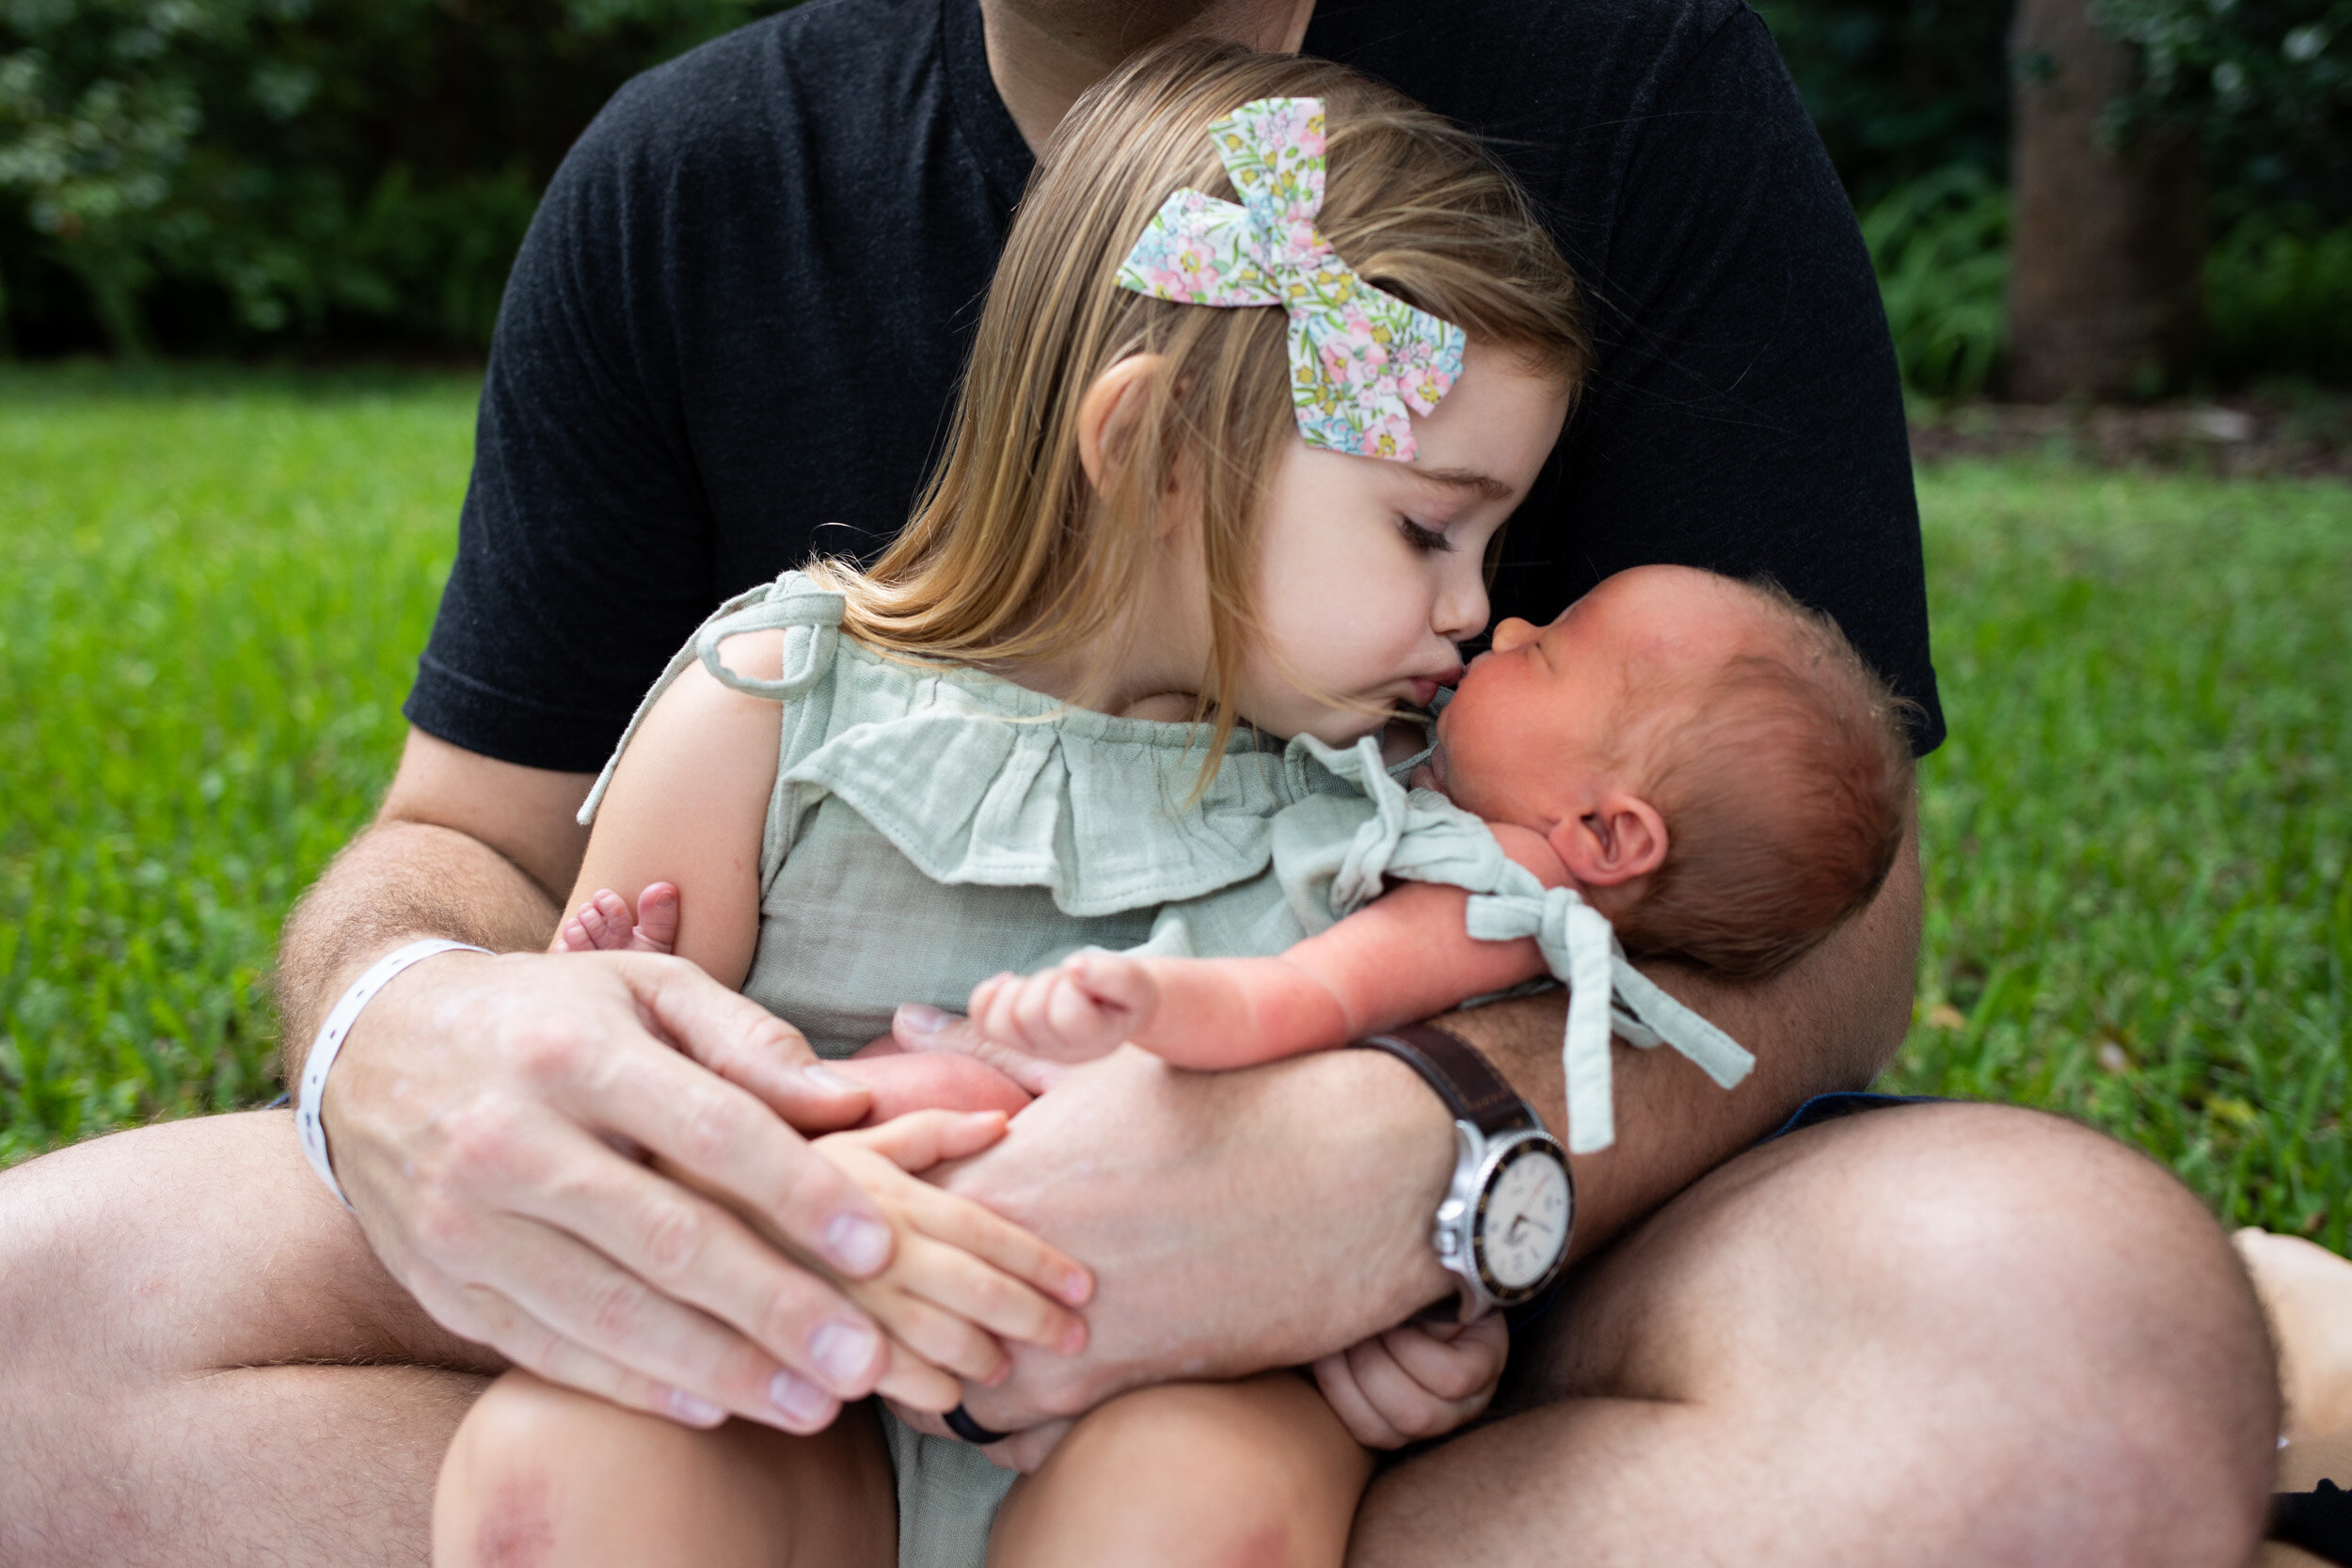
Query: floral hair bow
[{"x": 1358, "y": 357}]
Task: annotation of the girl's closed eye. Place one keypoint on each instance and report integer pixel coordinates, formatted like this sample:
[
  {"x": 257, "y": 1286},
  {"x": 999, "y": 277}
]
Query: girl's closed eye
[{"x": 1428, "y": 541}]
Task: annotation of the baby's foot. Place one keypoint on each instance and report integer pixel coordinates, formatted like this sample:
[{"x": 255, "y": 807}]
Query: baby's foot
[{"x": 604, "y": 925}]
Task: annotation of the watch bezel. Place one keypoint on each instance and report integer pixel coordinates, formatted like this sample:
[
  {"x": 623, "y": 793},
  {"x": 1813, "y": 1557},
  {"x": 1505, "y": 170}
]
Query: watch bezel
[{"x": 1499, "y": 1155}]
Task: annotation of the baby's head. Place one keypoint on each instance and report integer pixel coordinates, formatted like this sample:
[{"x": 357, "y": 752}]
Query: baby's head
[
  {"x": 1042, "y": 532},
  {"x": 1717, "y": 767}
]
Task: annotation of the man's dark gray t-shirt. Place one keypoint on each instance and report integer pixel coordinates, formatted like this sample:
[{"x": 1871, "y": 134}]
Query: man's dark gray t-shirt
[{"x": 735, "y": 328}]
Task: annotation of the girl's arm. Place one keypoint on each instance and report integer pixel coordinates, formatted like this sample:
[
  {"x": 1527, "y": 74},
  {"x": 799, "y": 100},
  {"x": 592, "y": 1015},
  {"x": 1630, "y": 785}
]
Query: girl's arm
[
  {"x": 1405, "y": 956},
  {"x": 688, "y": 805}
]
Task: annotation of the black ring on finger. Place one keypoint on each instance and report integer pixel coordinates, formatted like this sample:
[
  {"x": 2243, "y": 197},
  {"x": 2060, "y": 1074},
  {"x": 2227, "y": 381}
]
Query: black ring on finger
[{"x": 960, "y": 1422}]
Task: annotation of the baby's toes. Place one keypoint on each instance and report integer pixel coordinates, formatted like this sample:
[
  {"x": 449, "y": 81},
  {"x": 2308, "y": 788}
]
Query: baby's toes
[{"x": 657, "y": 920}]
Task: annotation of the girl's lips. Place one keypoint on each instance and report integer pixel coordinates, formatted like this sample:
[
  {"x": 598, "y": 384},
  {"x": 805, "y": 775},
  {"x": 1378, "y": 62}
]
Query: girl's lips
[{"x": 1424, "y": 692}]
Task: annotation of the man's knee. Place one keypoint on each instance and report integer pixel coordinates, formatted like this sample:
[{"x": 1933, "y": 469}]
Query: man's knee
[{"x": 2008, "y": 1303}]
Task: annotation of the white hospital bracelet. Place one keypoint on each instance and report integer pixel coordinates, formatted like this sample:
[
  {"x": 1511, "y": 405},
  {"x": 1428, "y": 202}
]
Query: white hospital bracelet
[{"x": 331, "y": 1036}]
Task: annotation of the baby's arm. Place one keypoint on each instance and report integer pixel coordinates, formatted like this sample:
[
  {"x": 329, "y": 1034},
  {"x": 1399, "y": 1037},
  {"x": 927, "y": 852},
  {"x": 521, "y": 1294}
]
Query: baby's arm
[{"x": 1405, "y": 956}]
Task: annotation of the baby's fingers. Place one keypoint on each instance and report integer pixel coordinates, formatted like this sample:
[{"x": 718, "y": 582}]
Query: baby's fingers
[
  {"x": 1456, "y": 1363},
  {"x": 1336, "y": 1377}
]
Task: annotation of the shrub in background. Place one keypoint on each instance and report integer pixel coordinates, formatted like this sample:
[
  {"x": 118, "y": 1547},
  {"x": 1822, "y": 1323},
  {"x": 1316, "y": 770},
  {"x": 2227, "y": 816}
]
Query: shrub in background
[
  {"x": 209, "y": 174},
  {"x": 1940, "y": 245}
]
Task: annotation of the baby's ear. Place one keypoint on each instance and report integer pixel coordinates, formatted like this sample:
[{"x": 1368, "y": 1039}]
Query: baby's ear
[{"x": 1621, "y": 838}]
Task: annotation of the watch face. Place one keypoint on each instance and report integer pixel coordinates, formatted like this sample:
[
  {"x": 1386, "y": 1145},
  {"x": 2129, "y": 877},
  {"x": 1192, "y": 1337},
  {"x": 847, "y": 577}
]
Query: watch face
[{"x": 1523, "y": 1218}]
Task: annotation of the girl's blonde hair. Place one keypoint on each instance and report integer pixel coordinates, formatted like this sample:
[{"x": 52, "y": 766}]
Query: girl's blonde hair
[{"x": 1010, "y": 555}]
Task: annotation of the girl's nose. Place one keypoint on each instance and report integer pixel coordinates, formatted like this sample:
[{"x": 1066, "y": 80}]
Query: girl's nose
[{"x": 1461, "y": 610}]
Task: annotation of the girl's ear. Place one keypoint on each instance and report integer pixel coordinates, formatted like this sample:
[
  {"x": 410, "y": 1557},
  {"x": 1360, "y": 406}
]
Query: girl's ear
[
  {"x": 1107, "y": 413},
  {"x": 1621, "y": 838}
]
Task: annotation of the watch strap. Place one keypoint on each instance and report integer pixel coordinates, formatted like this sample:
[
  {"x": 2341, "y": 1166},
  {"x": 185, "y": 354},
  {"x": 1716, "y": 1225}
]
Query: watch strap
[{"x": 1470, "y": 1088}]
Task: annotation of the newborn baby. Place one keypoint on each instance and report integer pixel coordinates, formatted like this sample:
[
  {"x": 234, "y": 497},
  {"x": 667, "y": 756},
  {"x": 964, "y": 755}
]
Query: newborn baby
[{"x": 1704, "y": 761}]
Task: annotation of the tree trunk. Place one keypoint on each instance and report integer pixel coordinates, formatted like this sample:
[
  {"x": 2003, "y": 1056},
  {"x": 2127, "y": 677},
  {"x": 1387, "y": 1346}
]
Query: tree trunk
[{"x": 2108, "y": 246}]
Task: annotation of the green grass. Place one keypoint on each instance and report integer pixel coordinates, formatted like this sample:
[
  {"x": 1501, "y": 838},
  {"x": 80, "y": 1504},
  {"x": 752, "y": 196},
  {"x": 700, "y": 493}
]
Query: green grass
[
  {"x": 216, "y": 587},
  {"x": 212, "y": 597},
  {"x": 2137, "y": 907}
]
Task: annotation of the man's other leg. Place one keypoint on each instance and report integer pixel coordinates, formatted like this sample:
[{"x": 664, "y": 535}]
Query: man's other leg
[
  {"x": 205, "y": 1364},
  {"x": 1930, "y": 1335}
]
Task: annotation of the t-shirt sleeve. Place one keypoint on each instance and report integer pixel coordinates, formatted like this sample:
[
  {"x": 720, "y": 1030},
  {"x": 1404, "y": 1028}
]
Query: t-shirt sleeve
[
  {"x": 1745, "y": 414},
  {"x": 584, "y": 552}
]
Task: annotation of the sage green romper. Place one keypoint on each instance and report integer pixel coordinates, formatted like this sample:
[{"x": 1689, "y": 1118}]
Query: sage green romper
[{"x": 933, "y": 825}]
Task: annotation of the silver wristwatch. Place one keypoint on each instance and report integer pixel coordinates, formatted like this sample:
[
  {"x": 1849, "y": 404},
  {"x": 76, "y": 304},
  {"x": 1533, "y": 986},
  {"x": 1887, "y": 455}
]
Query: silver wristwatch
[{"x": 1504, "y": 1229}]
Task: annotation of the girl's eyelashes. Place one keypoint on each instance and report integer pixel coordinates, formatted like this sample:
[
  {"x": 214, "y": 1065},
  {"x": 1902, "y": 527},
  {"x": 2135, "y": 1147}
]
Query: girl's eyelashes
[{"x": 1428, "y": 541}]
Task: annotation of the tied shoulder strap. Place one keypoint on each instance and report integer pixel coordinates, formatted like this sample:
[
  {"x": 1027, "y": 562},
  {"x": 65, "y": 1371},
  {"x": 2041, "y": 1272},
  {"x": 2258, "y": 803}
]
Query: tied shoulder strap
[
  {"x": 792, "y": 601},
  {"x": 1607, "y": 995}
]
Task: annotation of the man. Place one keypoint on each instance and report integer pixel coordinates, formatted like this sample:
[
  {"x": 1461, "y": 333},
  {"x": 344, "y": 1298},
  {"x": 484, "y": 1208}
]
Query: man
[{"x": 1931, "y": 1332}]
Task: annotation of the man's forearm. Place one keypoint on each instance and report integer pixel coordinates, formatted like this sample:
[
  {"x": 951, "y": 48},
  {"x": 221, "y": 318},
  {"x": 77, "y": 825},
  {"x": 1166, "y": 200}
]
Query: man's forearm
[
  {"x": 1831, "y": 1022},
  {"x": 395, "y": 882}
]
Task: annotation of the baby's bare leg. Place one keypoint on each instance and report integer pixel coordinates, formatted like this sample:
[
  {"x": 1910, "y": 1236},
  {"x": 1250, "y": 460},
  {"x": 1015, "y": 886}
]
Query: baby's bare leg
[
  {"x": 1192, "y": 1474},
  {"x": 540, "y": 1474}
]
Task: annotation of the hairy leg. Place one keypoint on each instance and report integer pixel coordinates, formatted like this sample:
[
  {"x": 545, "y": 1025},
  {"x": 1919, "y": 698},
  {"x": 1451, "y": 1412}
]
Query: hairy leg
[
  {"x": 205, "y": 1363},
  {"x": 1937, "y": 1334},
  {"x": 540, "y": 1474},
  {"x": 1192, "y": 1474}
]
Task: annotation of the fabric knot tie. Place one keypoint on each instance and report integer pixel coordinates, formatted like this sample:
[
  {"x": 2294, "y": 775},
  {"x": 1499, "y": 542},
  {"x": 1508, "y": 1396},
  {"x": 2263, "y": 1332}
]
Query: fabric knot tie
[
  {"x": 1360, "y": 359},
  {"x": 1606, "y": 995}
]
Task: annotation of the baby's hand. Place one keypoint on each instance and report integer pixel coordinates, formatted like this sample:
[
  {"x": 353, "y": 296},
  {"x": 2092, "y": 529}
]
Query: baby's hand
[
  {"x": 1418, "y": 1380},
  {"x": 604, "y": 925},
  {"x": 958, "y": 1272},
  {"x": 1076, "y": 1011}
]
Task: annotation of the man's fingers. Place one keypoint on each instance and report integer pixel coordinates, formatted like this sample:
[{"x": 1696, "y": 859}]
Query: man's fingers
[
  {"x": 743, "y": 1042},
  {"x": 676, "y": 1251},
  {"x": 569, "y": 1315},
  {"x": 719, "y": 1137}
]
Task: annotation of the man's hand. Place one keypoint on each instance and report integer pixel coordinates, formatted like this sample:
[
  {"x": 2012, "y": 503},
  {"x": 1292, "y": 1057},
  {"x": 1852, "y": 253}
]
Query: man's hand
[
  {"x": 1234, "y": 1221},
  {"x": 492, "y": 1120},
  {"x": 958, "y": 1277}
]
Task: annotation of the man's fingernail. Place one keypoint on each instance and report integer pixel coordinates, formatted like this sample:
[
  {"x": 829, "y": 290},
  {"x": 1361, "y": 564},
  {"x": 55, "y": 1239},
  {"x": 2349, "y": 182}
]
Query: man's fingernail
[
  {"x": 830, "y": 1081},
  {"x": 921, "y": 1018},
  {"x": 695, "y": 1411},
  {"x": 857, "y": 1243},
  {"x": 844, "y": 1349},
  {"x": 1075, "y": 1287},
  {"x": 798, "y": 1399},
  {"x": 1075, "y": 1340}
]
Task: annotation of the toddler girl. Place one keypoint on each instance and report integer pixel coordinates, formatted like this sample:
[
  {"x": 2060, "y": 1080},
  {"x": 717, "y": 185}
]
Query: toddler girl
[{"x": 1188, "y": 546}]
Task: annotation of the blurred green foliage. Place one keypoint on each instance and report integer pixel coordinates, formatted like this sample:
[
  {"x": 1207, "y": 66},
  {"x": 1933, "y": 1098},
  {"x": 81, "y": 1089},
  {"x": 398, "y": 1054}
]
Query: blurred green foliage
[
  {"x": 1940, "y": 243},
  {"x": 1899, "y": 89},
  {"x": 2267, "y": 83},
  {"x": 202, "y": 175}
]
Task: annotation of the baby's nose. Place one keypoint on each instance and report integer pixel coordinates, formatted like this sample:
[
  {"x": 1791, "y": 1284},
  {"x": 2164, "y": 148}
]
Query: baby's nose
[{"x": 1510, "y": 632}]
